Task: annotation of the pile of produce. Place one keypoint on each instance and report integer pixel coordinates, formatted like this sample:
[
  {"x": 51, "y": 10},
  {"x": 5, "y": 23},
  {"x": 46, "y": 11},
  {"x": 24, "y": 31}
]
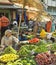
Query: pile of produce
[
  {"x": 23, "y": 52},
  {"x": 8, "y": 57},
  {"x": 41, "y": 46},
  {"x": 23, "y": 61},
  {"x": 34, "y": 40},
  {"x": 26, "y": 49},
  {"x": 9, "y": 49},
  {"x": 42, "y": 42},
  {"x": 46, "y": 59},
  {"x": 53, "y": 47},
  {"x": 30, "y": 54},
  {"x": 40, "y": 49}
]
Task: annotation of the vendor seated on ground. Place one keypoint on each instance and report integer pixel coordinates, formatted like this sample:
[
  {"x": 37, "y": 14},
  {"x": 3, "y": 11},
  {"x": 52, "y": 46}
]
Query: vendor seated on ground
[{"x": 9, "y": 40}]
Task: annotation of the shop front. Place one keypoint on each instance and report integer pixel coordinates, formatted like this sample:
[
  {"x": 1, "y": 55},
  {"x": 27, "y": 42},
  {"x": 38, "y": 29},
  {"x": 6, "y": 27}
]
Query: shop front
[
  {"x": 9, "y": 11},
  {"x": 5, "y": 12}
]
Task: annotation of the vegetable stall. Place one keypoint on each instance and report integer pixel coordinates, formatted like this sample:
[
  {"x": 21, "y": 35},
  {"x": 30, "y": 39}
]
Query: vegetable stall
[{"x": 41, "y": 53}]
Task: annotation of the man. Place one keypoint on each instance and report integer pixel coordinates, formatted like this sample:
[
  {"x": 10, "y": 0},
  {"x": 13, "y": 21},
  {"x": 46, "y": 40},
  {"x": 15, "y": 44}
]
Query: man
[{"x": 8, "y": 39}]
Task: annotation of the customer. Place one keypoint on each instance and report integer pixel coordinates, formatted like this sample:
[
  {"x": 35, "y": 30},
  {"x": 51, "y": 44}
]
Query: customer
[
  {"x": 31, "y": 23},
  {"x": 15, "y": 29},
  {"x": 53, "y": 26},
  {"x": 4, "y": 24},
  {"x": 8, "y": 39},
  {"x": 48, "y": 26}
]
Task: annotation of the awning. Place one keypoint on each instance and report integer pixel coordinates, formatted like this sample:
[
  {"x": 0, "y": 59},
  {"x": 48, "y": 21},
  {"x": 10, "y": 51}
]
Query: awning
[{"x": 9, "y": 7}]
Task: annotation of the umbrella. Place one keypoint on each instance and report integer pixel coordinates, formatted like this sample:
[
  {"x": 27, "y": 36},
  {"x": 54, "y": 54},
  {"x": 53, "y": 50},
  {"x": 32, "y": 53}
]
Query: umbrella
[{"x": 4, "y": 21}]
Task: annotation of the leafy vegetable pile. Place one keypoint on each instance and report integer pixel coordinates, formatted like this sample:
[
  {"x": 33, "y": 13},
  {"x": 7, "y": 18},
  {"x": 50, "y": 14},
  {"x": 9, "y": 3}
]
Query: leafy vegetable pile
[
  {"x": 26, "y": 50},
  {"x": 53, "y": 47},
  {"x": 9, "y": 49}
]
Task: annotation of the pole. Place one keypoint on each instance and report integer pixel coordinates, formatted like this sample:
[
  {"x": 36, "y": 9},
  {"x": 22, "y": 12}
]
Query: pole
[
  {"x": 19, "y": 23},
  {"x": 20, "y": 13}
]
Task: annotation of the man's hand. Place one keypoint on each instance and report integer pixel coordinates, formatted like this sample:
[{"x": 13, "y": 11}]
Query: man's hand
[{"x": 1, "y": 48}]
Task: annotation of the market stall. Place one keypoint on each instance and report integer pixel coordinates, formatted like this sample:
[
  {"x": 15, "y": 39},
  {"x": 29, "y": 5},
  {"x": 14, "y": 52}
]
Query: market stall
[
  {"x": 32, "y": 50},
  {"x": 39, "y": 53}
]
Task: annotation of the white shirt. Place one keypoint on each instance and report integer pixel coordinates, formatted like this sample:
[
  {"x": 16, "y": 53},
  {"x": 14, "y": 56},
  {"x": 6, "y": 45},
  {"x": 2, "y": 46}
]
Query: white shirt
[
  {"x": 9, "y": 41},
  {"x": 49, "y": 35}
]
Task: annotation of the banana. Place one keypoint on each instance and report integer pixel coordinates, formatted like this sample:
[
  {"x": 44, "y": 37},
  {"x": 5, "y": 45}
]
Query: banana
[{"x": 8, "y": 57}]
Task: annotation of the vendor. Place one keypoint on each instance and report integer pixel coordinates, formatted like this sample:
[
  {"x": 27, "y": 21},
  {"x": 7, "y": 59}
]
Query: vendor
[{"x": 8, "y": 39}]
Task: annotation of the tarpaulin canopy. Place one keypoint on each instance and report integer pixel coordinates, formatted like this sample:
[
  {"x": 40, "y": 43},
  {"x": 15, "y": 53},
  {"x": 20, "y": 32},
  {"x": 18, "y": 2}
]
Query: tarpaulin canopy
[
  {"x": 31, "y": 8},
  {"x": 45, "y": 19},
  {"x": 30, "y": 3}
]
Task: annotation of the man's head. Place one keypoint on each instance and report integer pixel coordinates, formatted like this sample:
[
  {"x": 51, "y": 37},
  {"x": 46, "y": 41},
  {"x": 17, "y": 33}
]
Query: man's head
[
  {"x": 15, "y": 23},
  {"x": 8, "y": 33}
]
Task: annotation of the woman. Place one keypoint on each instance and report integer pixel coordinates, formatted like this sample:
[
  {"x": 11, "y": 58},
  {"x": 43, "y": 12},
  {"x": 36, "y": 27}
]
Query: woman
[
  {"x": 48, "y": 26},
  {"x": 53, "y": 27},
  {"x": 8, "y": 39}
]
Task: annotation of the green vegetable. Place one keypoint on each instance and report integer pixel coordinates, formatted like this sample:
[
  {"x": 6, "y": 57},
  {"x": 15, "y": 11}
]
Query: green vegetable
[
  {"x": 9, "y": 49},
  {"x": 53, "y": 48},
  {"x": 28, "y": 64},
  {"x": 41, "y": 42},
  {"x": 41, "y": 48},
  {"x": 25, "y": 61},
  {"x": 26, "y": 49},
  {"x": 10, "y": 63}
]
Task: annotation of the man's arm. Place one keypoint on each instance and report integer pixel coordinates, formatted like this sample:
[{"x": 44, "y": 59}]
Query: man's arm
[{"x": 16, "y": 40}]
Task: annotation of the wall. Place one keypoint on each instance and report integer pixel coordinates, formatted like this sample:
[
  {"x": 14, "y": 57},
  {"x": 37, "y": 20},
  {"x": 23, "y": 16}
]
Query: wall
[
  {"x": 5, "y": 12},
  {"x": 51, "y": 7},
  {"x": 50, "y": 2}
]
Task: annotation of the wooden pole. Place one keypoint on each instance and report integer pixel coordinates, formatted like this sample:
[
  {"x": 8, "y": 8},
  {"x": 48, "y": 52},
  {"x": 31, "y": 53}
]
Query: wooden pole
[
  {"x": 20, "y": 13},
  {"x": 19, "y": 23}
]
